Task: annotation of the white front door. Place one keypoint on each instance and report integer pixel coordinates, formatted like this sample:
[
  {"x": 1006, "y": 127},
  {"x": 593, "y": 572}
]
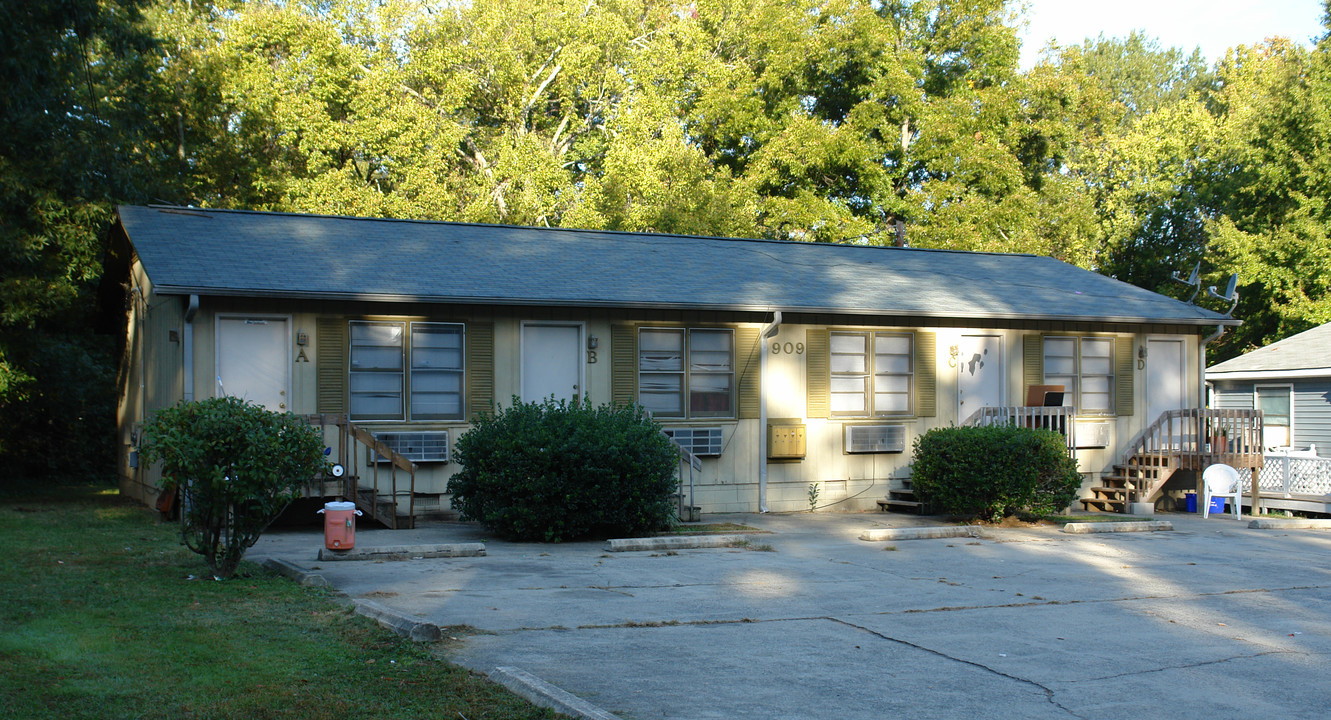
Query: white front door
[
  {"x": 551, "y": 362},
  {"x": 1164, "y": 377},
  {"x": 979, "y": 373},
  {"x": 253, "y": 360}
]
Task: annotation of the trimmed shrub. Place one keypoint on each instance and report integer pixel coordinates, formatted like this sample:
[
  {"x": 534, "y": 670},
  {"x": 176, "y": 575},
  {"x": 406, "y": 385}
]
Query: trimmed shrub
[
  {"x": 991, "y": 472},
  {"x": 555, "y": 471},
  {"x": 236, "y": 466}
]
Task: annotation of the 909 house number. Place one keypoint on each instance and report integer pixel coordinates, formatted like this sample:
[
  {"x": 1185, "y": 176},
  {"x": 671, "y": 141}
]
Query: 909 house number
[{"x": 787, "y": 348}]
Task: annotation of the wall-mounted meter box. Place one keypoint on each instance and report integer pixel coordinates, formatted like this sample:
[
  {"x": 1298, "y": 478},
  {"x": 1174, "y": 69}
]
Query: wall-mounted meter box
[{"x": 786, "y": 441}]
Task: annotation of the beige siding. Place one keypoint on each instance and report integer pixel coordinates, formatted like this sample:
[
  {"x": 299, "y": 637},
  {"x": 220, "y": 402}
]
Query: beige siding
[{"x": 795, "y": 387}]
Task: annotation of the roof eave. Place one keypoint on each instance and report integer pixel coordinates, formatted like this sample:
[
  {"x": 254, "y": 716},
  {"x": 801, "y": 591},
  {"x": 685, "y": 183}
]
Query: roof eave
[
  {"x": 759, "y": 308},
  {"x": 1294, "y": 374}
]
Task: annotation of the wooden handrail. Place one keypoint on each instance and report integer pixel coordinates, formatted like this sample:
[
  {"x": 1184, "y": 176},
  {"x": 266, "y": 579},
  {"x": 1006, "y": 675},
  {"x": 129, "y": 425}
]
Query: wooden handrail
[
  {"x": 1195, "y": 438},
  {"x": 349, "y": 434}
]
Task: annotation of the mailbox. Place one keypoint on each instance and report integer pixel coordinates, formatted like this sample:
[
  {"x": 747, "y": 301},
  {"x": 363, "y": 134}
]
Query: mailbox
[{"x": 785, "y": 441}]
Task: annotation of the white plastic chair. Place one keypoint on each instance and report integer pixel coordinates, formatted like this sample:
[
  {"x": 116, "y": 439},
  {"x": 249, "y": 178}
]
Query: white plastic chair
[{"x": 1221, "y": 481}]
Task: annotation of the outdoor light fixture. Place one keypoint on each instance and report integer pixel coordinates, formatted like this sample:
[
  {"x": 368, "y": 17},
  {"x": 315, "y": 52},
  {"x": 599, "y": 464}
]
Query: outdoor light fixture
[{"x": 591, "y": 342}]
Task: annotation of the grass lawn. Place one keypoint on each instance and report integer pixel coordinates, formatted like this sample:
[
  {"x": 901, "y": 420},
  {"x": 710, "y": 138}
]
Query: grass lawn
[{"x": 99, "y": 619}]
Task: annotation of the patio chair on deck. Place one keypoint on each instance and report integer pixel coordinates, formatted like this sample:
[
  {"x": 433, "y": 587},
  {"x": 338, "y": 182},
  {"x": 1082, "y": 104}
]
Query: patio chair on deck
[{"x": 1221, "y": 480}]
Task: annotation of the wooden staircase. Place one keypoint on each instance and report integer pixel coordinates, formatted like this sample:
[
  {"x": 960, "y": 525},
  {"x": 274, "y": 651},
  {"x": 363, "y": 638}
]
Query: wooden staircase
[
  {"x": 1116, "y": 489},
  {"x": 375, "y": 490},
  {"x": 1187, "y": 439},
  {"x": 902, "y": 501}
]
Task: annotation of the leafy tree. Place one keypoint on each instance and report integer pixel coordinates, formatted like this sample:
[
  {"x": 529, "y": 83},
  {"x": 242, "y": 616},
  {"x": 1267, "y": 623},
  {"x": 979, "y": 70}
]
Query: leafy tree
[
  {"x": 76, "y": 134},
  {"x": 1273, "y": 225},
  {"x": 235, "y": 467}
]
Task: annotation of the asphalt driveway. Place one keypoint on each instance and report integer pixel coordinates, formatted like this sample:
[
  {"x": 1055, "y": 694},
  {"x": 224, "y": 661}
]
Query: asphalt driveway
[{"x": 1210, "y": 620}]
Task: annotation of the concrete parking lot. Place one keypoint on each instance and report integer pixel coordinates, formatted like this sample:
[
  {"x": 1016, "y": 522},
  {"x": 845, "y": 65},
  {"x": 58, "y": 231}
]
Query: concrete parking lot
[{"x": 1210, "y": 620}]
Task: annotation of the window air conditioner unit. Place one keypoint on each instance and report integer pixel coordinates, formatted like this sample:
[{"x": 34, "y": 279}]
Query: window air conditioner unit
[
  {"x": 703, "y": 442},
  {"x": 1092, "y": 434},
  {"x": 875, "y": 438},
  {"x": 418, "y": 447}
]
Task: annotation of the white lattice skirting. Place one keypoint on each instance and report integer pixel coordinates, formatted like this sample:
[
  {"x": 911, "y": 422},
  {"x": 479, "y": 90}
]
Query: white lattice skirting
[{"x": 1293, "y": 475}]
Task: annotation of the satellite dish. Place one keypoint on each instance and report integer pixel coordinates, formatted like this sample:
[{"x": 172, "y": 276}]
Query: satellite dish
[
  {"x": 1194, "y": 279},
  {"x": 1231, "y": 293}
]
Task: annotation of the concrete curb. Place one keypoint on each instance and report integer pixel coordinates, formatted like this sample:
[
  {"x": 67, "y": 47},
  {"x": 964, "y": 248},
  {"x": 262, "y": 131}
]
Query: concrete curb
[
  {"x": 546, "y": 695},
  {"x": 405, "y": 552},
  {"x": 920, "y": 533},
  {"x": 1117, "y": 527},
  {"x": 678, "y": 542},
  {"x": 399, "y": 623},
  {"x": 294, "y": 572},
  {"x": 1290, "y": 524}
]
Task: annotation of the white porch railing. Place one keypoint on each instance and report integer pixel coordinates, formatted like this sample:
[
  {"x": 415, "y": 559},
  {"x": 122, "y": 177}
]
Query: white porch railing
[
  {"x": 1059, "y": 419},
  {"x": 1295, "y": 473}
]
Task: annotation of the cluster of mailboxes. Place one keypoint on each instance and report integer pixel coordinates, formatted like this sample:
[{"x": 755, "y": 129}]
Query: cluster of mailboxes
[{"x": 786, "y": 441}]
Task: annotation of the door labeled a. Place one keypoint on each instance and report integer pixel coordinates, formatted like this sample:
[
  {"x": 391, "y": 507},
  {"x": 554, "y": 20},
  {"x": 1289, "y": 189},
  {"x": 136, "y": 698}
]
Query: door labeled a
[{"x": 252, "y": 360}]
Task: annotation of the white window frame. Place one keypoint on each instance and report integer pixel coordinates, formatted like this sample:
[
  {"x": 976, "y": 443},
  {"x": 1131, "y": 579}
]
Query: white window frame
[
  {"x": 405, "y": 371},
  {"x": 1074, "y": 384},
  {"x": 872, "y": 372},
  {"x": 1288, "y": 388},
  {"x": 688, "y": 375}
]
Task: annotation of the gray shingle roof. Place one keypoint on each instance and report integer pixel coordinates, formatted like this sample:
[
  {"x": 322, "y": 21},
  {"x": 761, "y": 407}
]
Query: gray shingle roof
[
  {"x": 1309, "y": 350},
  {"x": 229, "y": 252}
]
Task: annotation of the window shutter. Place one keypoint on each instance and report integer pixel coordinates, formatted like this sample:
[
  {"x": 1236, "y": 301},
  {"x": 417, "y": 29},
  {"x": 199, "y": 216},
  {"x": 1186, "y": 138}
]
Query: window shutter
[
  {"x": 1032, "y": 355},
  {"x": 480, "y": 341},
  {"x": 926, "y": 375},
  {"x": 818, "y": 373},
  {"x": 330, "y": 365},
  {"x": 1123, "y": 369},
  {"x": 749, "y": 372},
  {"x": 623, "y": 365}
]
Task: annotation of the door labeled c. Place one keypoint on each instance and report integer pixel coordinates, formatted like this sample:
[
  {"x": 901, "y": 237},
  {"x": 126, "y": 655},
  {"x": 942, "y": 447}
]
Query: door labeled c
[
  {"x": 551, "y": 362},
  {"x": 979, "y": 373}
]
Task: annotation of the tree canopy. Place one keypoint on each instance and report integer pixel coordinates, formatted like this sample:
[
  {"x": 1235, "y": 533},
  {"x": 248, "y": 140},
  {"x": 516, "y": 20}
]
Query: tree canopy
[{"x": 815, "y": 120}]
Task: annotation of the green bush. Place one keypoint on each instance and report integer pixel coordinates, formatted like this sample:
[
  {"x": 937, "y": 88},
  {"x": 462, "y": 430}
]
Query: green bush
[
  {"x": 992, "y": 472},
  {"x": 236, "y": 466},
  {"x": 556, "y": 471}
]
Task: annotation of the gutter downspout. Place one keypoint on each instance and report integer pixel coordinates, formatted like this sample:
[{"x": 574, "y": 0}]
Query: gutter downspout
[
  {"x": 188, "y": 348},
  {"x": 1201, "y": 361},
  {"x": 767, "y": 333}
]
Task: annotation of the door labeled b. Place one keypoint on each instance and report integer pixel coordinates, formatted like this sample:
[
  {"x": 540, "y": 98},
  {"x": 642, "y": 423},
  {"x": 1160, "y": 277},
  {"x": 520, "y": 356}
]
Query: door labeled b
[{"x": 551, "y": 362}]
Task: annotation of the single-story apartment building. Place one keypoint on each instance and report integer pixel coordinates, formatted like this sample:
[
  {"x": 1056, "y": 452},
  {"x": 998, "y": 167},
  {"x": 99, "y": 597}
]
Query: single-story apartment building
[
  {"x": 1290, "y": 382},
  {"x": 776, "y": 364}
]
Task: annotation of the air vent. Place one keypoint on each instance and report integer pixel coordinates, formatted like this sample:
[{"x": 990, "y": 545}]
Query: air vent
[
  {"x": 875, "y": 438},
  {"x": 421, "y": 447},
  {"x": 705, "y": 442}
]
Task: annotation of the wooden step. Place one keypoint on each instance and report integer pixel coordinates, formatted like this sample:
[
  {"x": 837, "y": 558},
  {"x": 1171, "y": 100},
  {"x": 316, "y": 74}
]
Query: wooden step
[
  {"x": 1112, "y": 492},
  {"x": 1103, "y": 504},
  {"x": 894, "y": 505}
]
